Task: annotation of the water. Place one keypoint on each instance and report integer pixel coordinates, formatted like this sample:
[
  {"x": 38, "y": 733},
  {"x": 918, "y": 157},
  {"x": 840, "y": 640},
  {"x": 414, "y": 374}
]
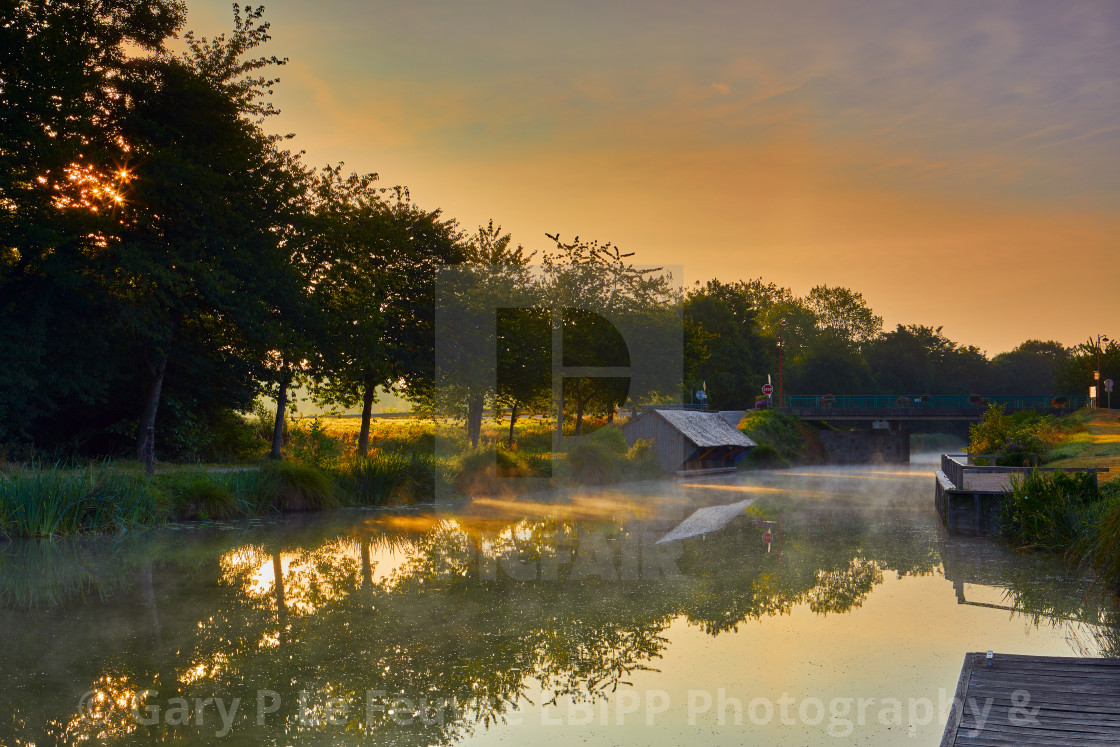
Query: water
[{"x": 551, "y": 621}]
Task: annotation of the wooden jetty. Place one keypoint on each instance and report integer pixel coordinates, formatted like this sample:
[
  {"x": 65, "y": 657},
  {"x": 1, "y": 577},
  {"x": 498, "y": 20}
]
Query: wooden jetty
[
  {"x": 968, "y": 495},
  {"x": 1035, "y": 700}
]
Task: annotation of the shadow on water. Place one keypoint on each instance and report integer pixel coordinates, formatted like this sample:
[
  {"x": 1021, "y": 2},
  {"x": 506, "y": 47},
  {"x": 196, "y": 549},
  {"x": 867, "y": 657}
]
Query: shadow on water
[{"x": 464, "y": 614}]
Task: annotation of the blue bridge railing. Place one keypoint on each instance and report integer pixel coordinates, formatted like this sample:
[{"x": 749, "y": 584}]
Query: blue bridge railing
[{"x": 929, "y": 401}]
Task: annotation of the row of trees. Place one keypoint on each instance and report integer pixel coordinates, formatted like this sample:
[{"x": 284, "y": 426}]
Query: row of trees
[
  {"x": 164, "y": 262},
  {"x": 833, "y": 343}
]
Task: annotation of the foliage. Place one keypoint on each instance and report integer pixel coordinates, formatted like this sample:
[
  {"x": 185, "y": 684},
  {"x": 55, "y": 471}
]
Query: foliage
[
  {"x": 1049, "y": 510},
  {"x": 390, "y": 477},
  {"x": 782, "y": 440},
  {"x": 309, "y": 442},
  {"x": 294, "y": 486},
  {"x": 48, "y": 500},
  {"x": 478, "y": 471},
  {"x": 1100, "y": 547},
  {"x": 1018, "y": 440},
  {"x": 200, "y": 495}
]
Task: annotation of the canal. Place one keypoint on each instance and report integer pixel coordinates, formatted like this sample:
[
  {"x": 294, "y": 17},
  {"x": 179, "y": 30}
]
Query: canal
[{"x": 556, "y": 619}]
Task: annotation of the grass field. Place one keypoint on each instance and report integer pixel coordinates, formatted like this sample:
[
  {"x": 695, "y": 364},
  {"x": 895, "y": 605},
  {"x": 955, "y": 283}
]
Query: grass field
[{"x": 1094, "y": 443}]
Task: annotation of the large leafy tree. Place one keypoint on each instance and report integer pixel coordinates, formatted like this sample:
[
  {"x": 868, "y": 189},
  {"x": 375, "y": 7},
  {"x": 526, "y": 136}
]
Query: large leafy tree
[
  {"x": 201, "y": 258},
  {"x": 721, "y": 319},
  {"x": 62, "y": 170},
  {"x": 1030, "y": 368}
]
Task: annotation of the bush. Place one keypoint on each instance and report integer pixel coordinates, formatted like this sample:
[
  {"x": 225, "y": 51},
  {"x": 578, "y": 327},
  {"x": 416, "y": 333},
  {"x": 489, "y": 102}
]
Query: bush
[
  {"x": 1049, "y": 510},
  {"x": 384, "y": 477},
  {"x": 477, "y": 471},
  {"x": 598, "y": 458},
  {"x": 782, "y": 440},
  {"x": 1018, "y": 440},
  {"x": 200, "y": 495},
  {"x": 641, "y": 461},
  {"x": 293, "y": 486},
  {"x": 187, "y": 435},
  {"x": 311, "y": 444}
]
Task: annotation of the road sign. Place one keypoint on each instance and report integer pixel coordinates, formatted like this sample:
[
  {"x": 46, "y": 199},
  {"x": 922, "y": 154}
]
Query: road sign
[
  {"x": 767, "y": 537},
  {"x": 1108, "y": 385},
  {"x": 767, "y": 389}
]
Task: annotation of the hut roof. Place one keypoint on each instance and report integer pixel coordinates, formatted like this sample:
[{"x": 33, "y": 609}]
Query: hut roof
[{"x": 705, "y": 428}]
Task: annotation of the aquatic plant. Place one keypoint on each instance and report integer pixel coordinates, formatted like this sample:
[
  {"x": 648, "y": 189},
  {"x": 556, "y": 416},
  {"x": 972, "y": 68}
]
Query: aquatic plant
[{"x": 1049, "y": 510}]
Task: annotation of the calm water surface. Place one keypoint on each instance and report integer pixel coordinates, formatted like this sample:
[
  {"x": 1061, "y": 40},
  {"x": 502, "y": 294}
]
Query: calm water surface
[{"x": 555, "y": 620}]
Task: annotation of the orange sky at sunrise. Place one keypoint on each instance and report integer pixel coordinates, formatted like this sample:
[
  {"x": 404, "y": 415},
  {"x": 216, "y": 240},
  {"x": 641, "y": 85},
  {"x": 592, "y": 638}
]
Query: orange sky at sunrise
[{"x": 956, "y": 162}]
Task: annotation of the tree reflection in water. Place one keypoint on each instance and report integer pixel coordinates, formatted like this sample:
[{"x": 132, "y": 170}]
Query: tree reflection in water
[{"x": 427, "y": 611}]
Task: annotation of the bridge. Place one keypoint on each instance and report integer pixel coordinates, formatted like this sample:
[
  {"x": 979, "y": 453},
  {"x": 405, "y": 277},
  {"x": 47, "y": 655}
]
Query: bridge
[{"x": 899, "y": 408}]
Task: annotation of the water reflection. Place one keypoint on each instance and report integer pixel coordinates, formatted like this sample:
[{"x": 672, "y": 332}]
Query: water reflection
[{"x": 425, "y": 627}]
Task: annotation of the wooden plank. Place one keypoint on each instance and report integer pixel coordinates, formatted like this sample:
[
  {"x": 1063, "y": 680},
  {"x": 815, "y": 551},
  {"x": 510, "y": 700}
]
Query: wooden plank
[{"x": 1072, "y": 700}]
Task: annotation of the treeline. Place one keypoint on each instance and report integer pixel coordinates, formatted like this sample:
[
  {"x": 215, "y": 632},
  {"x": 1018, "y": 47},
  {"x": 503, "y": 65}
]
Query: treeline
[
  {"x": 833, "y": 343},
  {"x": 165, "y": 263}
]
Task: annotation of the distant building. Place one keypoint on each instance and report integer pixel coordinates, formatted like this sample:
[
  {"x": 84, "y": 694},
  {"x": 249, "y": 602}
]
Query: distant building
[{"x": 689, "y": 441}]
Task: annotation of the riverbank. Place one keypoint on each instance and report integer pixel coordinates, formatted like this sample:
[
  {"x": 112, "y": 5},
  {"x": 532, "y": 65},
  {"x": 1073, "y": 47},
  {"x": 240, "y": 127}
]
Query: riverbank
[{"x": 410, "y": 462}]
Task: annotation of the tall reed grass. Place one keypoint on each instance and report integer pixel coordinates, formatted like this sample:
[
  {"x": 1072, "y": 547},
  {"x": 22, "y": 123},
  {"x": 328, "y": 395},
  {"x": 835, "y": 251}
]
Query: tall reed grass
[{"x": 48, "y": 500}]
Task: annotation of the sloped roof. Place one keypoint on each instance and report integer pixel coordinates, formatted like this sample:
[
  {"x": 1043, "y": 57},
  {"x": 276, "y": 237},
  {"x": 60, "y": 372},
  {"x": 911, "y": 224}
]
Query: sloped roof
[{"x": 705, "y": 428}]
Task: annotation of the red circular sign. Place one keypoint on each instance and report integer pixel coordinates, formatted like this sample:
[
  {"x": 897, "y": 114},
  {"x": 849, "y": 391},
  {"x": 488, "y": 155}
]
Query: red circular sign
[
  {"x": 767, "y": 389},
  {"x": 767, "y": 537}
]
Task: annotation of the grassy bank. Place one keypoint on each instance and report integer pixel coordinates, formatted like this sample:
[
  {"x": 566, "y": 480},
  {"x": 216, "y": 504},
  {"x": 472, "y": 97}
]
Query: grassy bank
[
  {"x": 410, "y": 461},
  {"x": 1054, "y": 511}
]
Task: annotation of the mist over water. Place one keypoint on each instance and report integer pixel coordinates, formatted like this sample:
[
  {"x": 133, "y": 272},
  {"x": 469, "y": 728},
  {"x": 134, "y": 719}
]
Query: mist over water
[{"x": 549, "y": 620}]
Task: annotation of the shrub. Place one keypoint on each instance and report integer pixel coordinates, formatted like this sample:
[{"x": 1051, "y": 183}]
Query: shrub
[
  {"x": 1018, "y": 440},
  {"x": 293, "y": 486},
  {"x": 200, "y": 495},
  {"x": 1049, "y": 510},
  {"x": 782, "y": 440},
  {"x": 477, "y": 471},
  {"x": 641, "y": 461},
  {"x": 311, "y": 444}
]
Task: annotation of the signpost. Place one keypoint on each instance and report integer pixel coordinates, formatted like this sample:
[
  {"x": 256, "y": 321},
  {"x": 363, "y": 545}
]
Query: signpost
[{"x": 1108, "y": 390}]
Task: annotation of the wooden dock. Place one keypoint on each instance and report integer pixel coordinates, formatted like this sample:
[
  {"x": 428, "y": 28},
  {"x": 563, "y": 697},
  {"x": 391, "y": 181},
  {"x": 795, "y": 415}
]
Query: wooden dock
[
  {"x": 1035, "y": 700},
  {"x": 968, "y": 495}
]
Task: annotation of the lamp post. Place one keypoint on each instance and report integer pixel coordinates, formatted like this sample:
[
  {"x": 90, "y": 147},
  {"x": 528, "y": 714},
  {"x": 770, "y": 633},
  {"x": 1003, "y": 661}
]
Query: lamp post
[
  {"x": 780, "y": 325},
  {"x": 1097, "y": 373}
]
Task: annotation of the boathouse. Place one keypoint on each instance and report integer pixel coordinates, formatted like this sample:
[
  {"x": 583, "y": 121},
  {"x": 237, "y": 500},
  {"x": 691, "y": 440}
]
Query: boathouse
[{"x": 689, "y": 441}]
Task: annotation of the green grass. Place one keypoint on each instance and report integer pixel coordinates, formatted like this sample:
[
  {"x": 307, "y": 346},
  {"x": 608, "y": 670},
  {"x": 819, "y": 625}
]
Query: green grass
[{"x": 45, "y": 501}]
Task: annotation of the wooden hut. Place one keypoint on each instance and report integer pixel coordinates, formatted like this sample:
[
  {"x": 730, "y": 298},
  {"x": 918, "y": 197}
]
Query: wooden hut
[{"x": 689, "y": 441}]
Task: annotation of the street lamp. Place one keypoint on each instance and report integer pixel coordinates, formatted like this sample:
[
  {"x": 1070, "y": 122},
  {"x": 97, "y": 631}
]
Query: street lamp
[
  {"x": 1097, "y": 373},
  {"x": 780, "y": 325}
]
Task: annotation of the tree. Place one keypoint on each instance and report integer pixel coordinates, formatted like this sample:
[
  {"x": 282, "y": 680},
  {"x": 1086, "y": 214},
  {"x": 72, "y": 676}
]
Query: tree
[
  {"x": 1030, "y": 368},
  {"x": 844, "y": 314},
  {"x": 201, "y": 247},
  {"x": 720, "y": 317},
  {"x": 61, "y": 177}
]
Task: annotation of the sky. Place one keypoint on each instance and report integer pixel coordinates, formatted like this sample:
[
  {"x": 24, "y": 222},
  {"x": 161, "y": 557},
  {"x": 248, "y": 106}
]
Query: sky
[{"x": 958, "y": 163}]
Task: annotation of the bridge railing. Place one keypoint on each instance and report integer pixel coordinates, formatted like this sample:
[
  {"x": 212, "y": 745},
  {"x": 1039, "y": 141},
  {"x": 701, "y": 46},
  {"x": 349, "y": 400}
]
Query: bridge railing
[{"x": 930, "y": 401}]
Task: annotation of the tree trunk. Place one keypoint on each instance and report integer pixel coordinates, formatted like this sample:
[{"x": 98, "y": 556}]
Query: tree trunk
[
  {"x": 367, "y": 413},
  {"x": 474, "y": 419},
  {"x": 278, "y": 588},
  {"x": 146, "y": 429},
  {"x": 512, "y": 420},
  {"x": 281, "y": 411}
]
